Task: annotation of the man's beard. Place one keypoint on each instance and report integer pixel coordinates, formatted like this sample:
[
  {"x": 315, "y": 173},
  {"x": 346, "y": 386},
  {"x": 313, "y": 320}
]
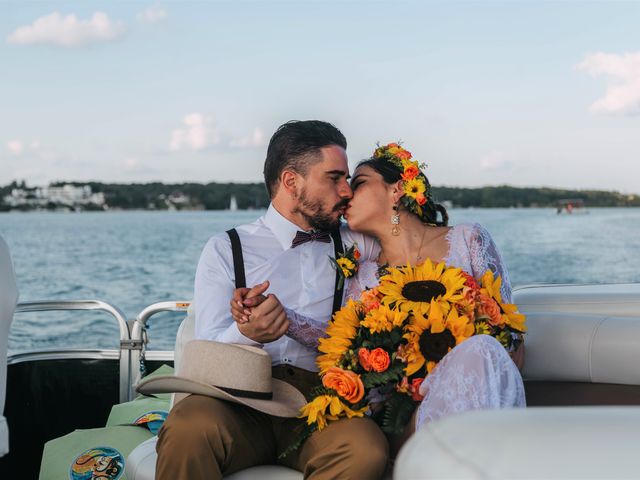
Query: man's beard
[{"x": 314, "y": 214}]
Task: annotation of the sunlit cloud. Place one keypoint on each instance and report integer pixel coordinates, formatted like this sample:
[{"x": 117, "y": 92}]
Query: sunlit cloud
[
  {"x": 68, "y": 31},
  {"x": 622, "y": 95},
  {"x": 196, "y": 133},
  {"x": 153, "y": 14}
]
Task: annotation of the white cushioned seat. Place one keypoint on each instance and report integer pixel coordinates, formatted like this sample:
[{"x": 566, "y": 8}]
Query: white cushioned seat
[
  {"x": 8, "y": 302},
  {"x": 141, "y": 462},
  {"x": 532, "y": 443}
]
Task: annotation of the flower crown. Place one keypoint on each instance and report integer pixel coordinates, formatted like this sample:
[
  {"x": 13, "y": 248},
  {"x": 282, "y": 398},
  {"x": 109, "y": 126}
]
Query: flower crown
[{"x": 414, "y": 182}]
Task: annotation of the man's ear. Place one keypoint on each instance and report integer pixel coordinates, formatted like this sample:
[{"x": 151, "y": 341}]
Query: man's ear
[{"x": 289, "y": 182}]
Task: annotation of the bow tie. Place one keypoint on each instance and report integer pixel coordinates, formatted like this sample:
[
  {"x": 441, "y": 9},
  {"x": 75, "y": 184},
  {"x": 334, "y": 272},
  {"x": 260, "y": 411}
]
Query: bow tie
[{"x": 304, "y": 237}]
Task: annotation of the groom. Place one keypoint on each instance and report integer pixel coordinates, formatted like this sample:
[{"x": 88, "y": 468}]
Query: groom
[{"x": 306, "y": 176}]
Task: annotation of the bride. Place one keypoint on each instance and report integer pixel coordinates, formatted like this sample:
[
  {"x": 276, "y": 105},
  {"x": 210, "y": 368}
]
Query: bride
[{"x": 392, "y": 202}]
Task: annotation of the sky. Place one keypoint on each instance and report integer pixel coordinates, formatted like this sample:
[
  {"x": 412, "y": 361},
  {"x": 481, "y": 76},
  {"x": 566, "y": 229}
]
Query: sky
[{"x": 525, "y": 93}]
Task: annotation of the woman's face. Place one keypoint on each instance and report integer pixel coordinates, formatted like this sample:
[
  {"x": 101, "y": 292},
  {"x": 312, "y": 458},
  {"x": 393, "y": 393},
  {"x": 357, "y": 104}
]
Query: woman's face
[{"x": 371, "y": 205}]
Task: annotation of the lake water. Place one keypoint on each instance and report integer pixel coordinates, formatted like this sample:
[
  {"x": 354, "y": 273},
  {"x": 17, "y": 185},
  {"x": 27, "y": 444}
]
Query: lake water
[{"x": 134, "y": 259}]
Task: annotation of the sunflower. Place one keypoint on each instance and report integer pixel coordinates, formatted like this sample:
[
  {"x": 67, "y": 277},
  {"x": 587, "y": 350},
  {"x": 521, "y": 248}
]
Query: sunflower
[
  {"x": 415, "y": 289},
  {"x": 414, "y": 187},
  {"x": 383, "y": 319},
  {"x": 340, "y": 334}
]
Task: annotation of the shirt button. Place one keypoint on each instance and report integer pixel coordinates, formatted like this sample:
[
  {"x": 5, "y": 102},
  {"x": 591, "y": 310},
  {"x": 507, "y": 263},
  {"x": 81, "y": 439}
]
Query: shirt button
[{"x": 285, "y": 360}]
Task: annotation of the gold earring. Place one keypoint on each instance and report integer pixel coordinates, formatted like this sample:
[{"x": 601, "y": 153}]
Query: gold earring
[{"x": 395, "y": 221}]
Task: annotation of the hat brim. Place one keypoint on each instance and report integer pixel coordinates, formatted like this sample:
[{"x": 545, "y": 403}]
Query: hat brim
[{"x": 286, "y": 401}]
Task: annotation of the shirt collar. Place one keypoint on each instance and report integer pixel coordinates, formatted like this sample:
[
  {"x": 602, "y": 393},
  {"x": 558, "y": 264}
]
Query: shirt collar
[{"x": 283, "y": 229}]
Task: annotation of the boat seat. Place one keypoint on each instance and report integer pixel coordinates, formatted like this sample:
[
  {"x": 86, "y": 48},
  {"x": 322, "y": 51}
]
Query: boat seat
[
  {"x": 141, "y": 462},
  {"x": 8, "y": 302},
  {"x": 528, "y": 443}
]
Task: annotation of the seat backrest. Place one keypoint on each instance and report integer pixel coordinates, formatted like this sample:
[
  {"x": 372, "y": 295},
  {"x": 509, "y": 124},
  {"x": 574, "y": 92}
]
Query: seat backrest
[
  {"x": 8, "y": 302},
  {"x": 186, "y": 332}
]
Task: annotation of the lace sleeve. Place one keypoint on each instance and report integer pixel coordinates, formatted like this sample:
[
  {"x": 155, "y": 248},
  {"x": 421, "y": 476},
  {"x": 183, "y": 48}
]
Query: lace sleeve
[
  {"x": 305, "y": 330},
  {"x": 485, "y": 255}
]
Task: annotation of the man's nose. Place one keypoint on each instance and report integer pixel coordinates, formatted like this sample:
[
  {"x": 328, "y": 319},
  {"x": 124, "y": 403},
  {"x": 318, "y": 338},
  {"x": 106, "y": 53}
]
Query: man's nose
[{"x": 345, "y": 190}]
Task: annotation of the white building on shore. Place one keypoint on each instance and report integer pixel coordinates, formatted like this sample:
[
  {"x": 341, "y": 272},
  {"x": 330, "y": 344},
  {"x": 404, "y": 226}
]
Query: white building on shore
[{"x": 69, "y": 196}]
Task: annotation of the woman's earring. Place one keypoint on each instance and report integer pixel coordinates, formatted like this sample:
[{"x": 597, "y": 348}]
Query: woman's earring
[{"x": 395, "y": 221}]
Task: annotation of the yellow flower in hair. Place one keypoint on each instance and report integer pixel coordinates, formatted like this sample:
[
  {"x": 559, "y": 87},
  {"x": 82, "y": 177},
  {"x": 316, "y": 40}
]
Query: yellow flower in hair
[{"x": 414, "y": 187}]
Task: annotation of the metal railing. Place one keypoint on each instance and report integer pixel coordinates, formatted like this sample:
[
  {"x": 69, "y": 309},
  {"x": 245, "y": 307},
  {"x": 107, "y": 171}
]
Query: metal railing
[
  {"x": 139, "y": 337},
  {"x": 126, "y": 346}
]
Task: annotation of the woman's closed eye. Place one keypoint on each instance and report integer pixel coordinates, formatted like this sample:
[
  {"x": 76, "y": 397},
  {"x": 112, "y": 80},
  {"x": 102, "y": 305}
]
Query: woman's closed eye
[{"x": 356, "y": 184}]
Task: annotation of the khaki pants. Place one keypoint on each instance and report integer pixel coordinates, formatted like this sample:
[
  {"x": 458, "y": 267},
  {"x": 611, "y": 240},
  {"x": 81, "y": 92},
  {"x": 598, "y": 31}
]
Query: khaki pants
[{"x": 207, "y": 438}]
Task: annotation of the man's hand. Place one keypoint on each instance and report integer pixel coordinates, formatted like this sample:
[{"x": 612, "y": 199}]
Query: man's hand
[
  {"x": 267, "y": 321},
  {"x": 244, "y": 299}
]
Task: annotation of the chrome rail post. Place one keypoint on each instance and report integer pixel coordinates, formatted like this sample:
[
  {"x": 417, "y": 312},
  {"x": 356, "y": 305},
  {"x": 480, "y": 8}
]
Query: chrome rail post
[
  {"x": 138, "y": 336},
  {"x": 125, "y": 352}
]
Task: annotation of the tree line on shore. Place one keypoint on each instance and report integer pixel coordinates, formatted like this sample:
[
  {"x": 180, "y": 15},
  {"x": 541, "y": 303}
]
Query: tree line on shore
[{"x": 217, "y": 196}]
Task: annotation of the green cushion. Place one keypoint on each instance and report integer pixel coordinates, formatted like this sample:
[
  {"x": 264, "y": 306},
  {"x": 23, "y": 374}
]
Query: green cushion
[{"x": 83, "y": 453}]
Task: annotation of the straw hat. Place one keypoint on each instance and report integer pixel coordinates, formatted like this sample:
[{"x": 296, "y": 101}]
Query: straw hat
[{"x": 237, "y": 373}]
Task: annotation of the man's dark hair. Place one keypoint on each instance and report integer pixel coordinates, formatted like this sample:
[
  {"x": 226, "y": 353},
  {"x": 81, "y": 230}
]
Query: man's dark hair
[{"x": 295, "y": 146}]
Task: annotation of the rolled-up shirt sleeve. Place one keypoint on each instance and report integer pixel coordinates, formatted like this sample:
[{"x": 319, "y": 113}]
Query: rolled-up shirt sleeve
[{"x": 214, "y": 286}]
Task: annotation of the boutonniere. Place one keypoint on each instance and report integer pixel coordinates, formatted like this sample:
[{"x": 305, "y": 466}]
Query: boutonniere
[{"x": 347, "y": 263}]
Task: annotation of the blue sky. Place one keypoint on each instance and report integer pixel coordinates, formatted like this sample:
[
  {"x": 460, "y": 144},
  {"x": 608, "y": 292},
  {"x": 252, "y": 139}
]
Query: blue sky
[{"x": 527, "y": 93}]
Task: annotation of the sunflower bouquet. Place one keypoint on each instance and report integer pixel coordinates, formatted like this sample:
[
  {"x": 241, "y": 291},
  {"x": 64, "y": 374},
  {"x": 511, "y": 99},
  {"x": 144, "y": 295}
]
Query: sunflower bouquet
[{"x": 380, "y": 348}]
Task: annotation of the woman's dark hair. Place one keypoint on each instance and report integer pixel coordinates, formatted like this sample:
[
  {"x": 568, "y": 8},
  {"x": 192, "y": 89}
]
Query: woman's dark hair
[
  {"x": 296, "y": 145},
  {"x": 391, "y": 174}
]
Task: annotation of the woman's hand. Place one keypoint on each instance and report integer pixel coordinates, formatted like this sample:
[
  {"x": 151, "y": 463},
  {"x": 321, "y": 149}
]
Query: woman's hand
[{"x": 245, "y": 299}]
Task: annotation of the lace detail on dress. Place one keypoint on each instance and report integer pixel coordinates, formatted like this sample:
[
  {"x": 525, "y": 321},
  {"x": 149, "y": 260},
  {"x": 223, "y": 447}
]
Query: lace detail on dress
[
  {"x": 472, "y": 249},
  {"x": 477, "y": 374},
  {"x": 305, "y": 330}
]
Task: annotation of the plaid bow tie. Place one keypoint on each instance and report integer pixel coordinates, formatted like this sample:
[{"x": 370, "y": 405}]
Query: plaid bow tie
[{"x": 304, "y": 237}]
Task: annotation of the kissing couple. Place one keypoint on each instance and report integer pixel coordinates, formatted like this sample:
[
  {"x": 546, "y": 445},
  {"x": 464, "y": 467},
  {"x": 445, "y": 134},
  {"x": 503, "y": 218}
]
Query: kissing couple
[{"x": 271, "y": 284}]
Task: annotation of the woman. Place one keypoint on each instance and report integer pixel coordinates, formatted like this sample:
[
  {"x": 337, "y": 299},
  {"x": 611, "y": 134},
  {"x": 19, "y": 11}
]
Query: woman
[{"x": 392, "y": 202}]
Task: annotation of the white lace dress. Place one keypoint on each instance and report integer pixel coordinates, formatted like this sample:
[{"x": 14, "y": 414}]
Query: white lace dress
[{"x": 478, "y": 373}]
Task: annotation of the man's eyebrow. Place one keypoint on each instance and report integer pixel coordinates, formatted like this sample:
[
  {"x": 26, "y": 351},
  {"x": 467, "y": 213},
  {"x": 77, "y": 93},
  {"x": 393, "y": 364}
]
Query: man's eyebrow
[{"x": 338, "y": 172}]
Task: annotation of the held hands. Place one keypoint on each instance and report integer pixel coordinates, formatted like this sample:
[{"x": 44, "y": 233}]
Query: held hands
[{"x": 260, "y": 318}]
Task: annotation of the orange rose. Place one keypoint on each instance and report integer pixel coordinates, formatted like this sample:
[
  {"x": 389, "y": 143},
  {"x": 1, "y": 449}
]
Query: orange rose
[
  {"x": 347, "y": 383},
  {"x": 490, "y": 308},
  {"x": 415, "y": 389},
  {"x": 393, "y": 145},
  {"x": 363, "y": 357},
  {"x": 379, "y": 360},
  {"x": 410, "y": 172},
  {"x": 421, "y": 199},
  {"x": 356, "y": 254},
  {"x": 370, "y": 300},
  {"x": 404, "y": 155},
  {"x": 470, "y": 281}
]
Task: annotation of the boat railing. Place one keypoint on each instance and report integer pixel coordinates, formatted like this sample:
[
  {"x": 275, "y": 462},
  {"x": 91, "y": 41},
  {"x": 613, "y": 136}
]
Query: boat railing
[
  {"x": 126, "y": 346},
  {"x": 139, "y": 338}
]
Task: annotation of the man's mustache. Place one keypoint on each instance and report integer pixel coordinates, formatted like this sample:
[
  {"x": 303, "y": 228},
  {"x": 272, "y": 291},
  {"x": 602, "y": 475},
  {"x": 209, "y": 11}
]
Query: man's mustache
[{"x": 341, "y": 204}]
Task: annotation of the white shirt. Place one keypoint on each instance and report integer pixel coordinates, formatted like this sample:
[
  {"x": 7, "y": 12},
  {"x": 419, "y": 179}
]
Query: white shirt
[{"x": 303, "y": 279}]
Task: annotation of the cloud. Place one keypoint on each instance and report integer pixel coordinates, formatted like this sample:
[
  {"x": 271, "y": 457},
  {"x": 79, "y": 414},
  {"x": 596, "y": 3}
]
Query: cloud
[
  {"x": 196, "y": 133},
  {"x": 623, "y": 91},
  {"x": 493, "y": 161},
  {"x": 256, "y": 139},
  {"x": 153, "y": 14},
  {"x": 15, "y": 147},
  {"x": 68, "y": 31}
]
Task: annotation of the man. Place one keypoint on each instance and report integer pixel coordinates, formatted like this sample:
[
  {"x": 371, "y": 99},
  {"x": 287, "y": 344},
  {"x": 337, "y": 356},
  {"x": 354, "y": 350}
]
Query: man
[{"x": 306, "y": 174}]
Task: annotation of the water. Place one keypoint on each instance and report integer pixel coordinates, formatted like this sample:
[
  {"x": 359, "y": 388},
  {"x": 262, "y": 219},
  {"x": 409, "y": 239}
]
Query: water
[{"x": 133, "y": 259}]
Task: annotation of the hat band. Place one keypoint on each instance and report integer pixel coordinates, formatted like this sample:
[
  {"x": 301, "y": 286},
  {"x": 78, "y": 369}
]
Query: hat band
[{"x": 246, "y": 393}]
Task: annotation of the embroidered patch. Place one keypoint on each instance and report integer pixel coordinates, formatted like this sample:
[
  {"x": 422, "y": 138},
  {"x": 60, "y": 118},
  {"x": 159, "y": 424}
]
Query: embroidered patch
[
  {"x": 152, "y": 420},
  {"x": 99, "y": 462}
]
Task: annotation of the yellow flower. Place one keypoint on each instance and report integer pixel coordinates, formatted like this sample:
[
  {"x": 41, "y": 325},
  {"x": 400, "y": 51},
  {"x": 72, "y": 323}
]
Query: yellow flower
[
  {"x": 491, "y": 286},
  {"x": 316, "y": 410},
  {"x": 414, "y": 187},
  {"x": 340, "y": 334},
  {"x": 347, "y": 266},
  {"x": 514, "y": 319},
  {"x": 383, "y": 319},
  {"x": 460, "y": 326},
  {"x": 416, "y": 289}
]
